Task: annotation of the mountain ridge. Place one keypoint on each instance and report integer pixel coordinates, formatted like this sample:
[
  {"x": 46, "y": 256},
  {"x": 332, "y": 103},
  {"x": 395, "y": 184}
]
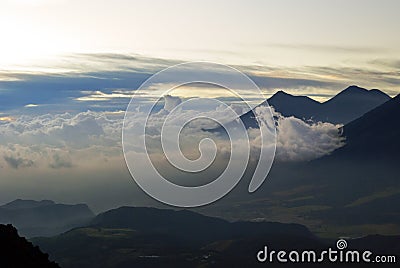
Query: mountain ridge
[
  {"x": 44, "y": 218},
  {"x": 23, "y": 203},
  {"x": 152, "y": 237},
  {"x": 181, "y": 223},
  {"x": 134, "y": 244},
  {"x": 346, "y": 106},
  {"x": 371, "y": 135}
]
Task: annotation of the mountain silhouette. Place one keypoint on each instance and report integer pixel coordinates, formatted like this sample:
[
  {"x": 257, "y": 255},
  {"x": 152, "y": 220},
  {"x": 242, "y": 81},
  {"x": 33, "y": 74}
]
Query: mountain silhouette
[
  {"x": 351, "y": 192},
  {"x": 343, "y": 108},
  {"x": 150, "y": 237},
  {"x": 17, "y": 252},
  {"x": 351, "y": 103},
  {"x": 26, "y": 204},
  {"x": 190, "y": 225},
  {"x": 357, "y": 183},
  {"x": 369, "y": 159},
  {"x": 44, "y": 218},
  {"x": 375, "y": 135},
  {"x": 297, "y": 106}
]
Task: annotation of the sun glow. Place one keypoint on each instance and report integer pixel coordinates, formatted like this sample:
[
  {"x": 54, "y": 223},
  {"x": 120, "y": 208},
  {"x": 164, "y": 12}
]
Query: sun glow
[{"x": 6, "y": 119}]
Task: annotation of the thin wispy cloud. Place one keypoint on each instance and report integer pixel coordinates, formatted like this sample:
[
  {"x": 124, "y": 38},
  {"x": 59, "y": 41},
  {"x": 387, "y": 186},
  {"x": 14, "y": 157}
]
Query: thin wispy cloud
[
  {"x": 113, "y": 86},
  {"x": 327, "y": 48}
]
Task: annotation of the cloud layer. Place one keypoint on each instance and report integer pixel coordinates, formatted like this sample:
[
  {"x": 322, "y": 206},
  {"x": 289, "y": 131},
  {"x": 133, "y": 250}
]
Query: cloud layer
[
  {"x": 78, "y": 156},
  {"x": 63, "y": 140},
  {"x": 302, "y": 141}
]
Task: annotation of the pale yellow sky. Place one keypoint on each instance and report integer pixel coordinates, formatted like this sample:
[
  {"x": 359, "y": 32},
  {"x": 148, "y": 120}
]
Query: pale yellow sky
[
  {"x": 279, "y": 32},
  {"x": 286, "y": 35}
]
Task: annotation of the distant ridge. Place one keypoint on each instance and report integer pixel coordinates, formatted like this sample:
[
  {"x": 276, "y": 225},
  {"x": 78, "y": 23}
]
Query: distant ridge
[
  {"x": 298, "y": 106},
  {"x": 346, "y": 106},
  {"x": 351, "y": 103},
  {"x": 22, "y": 204},
  {"x": 44, "y": 218},
  {"x": 190, "y": 225},
  {"x": 375, "y": 135}
]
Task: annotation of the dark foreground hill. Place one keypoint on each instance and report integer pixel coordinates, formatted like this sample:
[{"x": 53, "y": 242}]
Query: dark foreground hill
[
  {"x": 44, "y": 218},
  {"x": 16, "y": 252},
  {"x": 149, "y": 237},
  {"x": 191, "y": 226}
]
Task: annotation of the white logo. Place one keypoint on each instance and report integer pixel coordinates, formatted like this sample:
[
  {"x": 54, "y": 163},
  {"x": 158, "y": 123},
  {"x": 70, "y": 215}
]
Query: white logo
[
  {"x": 341, "y": 244},
  {"x": 153, "y": 134},
  {"x": 329, "y": 255}
]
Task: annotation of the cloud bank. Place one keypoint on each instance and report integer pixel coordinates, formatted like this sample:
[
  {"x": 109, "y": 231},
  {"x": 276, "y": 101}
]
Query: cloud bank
[
  {"x": 303, "y": 141},
  {"x": 67, "y": 140},
  {"x": 78, "y": 156}
]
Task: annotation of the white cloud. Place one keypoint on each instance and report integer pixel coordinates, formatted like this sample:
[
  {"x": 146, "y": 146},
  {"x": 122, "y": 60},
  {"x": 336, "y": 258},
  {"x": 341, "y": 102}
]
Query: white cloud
[
  {"x": 60, "y": 140},
  {"x": 79, "y": 156},
  {"x": 302, "y": 141},
  {"x": 171, "y": 102},
  {"x": 73, "y": 140},
  {"x": 101, "y": 96},
  {"x": 31, "y": 105}
]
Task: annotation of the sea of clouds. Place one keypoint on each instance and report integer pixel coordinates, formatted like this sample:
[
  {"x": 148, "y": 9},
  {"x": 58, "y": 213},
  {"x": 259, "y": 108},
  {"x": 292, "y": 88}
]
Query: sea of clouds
[{"x": 72, "y": 140}]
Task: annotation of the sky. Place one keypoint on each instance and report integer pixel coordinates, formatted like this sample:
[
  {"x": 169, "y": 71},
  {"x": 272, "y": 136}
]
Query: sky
[
  {"x": 233, "y": 31},
  {"x": 69, "y": 68},
  {"x": 331, "y": 40}
]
